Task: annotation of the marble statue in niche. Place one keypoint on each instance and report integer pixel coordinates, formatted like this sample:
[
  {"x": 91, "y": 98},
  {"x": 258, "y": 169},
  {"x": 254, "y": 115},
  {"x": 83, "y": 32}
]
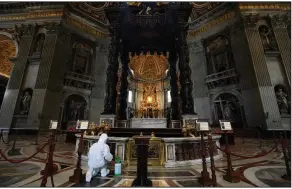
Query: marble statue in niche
[
  {"x": 25, "y": 103},
  {"x": 282, "y": 100},
  {"x": 268, "y": 39},
  {"x": 228, "y": 111},
  {"x": 77, "y": 111},
  {"x": 228, "y": 107},
  {"x": 38, "y": 46}
]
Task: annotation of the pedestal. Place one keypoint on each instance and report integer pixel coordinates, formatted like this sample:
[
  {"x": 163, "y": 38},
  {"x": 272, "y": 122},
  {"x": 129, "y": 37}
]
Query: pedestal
[
  {"x": 189, "y": 118},
  {"x": 108, "y": 119},
  {"x": 175, "y": 124},
  {"x": 122, "y": 123},
  {"x": 142, "y": 143}
]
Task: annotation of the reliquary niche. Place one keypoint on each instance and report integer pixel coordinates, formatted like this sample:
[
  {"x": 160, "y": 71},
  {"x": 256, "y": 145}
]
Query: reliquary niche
[
  {"x": 268, "y": 38},
  {"x": 38, "y": 44},
  {"x": 219, "y": 55},
  {"x": 82, "y": 55}
]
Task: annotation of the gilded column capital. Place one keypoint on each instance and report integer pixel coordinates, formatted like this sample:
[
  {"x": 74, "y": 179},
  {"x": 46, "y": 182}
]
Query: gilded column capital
[
  {"x": 279, "y": 21},
  {"x": 250, "y": 21}
]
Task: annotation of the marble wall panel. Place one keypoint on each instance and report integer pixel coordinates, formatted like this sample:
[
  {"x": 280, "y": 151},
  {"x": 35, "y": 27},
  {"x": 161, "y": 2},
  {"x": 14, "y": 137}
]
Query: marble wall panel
[{"x": 8, "y": 107}]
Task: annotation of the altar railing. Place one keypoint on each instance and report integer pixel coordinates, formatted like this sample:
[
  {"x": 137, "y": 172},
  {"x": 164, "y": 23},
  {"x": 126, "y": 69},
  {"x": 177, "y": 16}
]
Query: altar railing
[{"x": 168, "y": 152}]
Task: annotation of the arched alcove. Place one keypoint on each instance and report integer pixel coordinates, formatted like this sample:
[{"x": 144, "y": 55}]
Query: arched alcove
[{"x": 229, "y": 106}]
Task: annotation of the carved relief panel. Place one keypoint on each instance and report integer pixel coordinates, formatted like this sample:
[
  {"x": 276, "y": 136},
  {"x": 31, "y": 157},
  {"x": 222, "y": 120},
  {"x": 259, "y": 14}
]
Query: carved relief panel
[
  {"x": 218, "y": 53},
  {"x": 82, "y": 56}
]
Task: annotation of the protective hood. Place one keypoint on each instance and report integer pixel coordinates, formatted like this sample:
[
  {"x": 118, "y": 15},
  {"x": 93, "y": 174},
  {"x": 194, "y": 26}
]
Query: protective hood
[{"x": 99, "y": 152}]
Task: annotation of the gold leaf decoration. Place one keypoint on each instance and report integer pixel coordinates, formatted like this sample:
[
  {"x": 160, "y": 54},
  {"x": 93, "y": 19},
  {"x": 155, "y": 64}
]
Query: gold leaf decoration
[
  {"x": 149, "y": 67},
  {"x": 7, "y": 50}
]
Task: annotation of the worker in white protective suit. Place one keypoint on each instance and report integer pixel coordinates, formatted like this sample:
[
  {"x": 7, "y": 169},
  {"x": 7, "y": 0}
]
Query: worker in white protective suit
[{"x": 98, "y": 157}]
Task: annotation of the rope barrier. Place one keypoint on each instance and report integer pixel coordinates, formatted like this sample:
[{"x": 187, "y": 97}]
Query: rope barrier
[
  {"x": 26, "y": 159},
  {"x": 247, "y": 157}
]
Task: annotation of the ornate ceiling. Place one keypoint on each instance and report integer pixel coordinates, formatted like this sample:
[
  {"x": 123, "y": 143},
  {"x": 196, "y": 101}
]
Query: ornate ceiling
[
  {"x": 149, "y": 67},
  {"x": 7, "y": 50}
]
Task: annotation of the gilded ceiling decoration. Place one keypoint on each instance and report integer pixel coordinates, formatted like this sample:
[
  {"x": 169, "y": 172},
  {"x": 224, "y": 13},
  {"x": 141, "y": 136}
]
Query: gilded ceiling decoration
[
  {"x": 149, "y": 67},
  {"x": 7, "y": 50}
]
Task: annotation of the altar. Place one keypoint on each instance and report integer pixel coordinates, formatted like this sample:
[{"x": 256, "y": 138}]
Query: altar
[
  {"x": 148, "y": 123},
  {"x": 166, "y": 151}
]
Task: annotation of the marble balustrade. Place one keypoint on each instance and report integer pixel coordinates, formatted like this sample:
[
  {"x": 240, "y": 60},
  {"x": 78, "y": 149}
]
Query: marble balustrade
[{"x": 183, "y": 151}]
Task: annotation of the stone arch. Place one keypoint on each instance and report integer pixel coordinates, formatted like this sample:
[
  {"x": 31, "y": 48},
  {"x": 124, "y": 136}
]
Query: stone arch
[
  {"x": 67, "y": 94},
  {"x": 74, "y": 107},
  {"x": 228, "y": 105}
]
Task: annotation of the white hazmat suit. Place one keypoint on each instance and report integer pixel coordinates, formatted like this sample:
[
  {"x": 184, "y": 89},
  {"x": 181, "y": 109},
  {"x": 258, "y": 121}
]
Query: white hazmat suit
[{"x": 98, "y": 157}]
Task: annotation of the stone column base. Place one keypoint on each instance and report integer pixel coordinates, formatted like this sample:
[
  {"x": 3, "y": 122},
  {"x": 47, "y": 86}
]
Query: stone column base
[
  {"x": 189, "y": 118},
  {"x": 175, "y": 124},
  {"x": 108, "y": 119},
  {"x": 122, "y": 123}
]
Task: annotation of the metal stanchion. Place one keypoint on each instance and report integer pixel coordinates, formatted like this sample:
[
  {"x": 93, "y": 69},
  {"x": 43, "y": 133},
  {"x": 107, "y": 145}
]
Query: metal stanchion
[
  {"x": 12, "y": 150},
  {"x": 211, "y": 154},
  {"x": 231, "y": 175},
  {"x": 205, "y": 179},
  {"x": 286, "y": 176},
  {"x": 48, "y": 171},
  {"x": 78, "y": 177}
]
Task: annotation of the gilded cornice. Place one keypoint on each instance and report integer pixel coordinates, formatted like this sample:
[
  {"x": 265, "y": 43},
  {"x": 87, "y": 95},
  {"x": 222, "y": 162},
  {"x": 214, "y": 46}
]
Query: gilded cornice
[
  {"x": 265, "y": 6},
  {"x": 31, "y": 15},
  {"x": 226, "y": 17},
  {"x": 84, "y": 27}
]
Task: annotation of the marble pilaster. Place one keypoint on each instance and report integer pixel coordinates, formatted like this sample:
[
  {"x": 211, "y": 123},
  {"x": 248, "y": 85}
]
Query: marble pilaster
[
  {"x": 46, "y": 99},
  {"x": 279, "y": 24},
  {"x": 266, "y": 90},
  {"x": 9, "y": 104}
]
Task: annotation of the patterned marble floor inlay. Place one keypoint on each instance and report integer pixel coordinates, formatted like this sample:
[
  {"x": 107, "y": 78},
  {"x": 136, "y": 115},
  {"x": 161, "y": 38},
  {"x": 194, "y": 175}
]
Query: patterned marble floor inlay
[
  {"x": 162, "y": 174},
  {"x": 263, "y": 171},
  {"x": 272, "y": 177},
  {"x": 14, "y": 173},
  {"x": 128, "y": 183}
]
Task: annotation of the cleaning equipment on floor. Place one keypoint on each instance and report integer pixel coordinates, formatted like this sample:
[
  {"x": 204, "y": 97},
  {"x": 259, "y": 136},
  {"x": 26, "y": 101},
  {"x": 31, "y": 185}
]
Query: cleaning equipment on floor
[{"x": 118, "y": 166}]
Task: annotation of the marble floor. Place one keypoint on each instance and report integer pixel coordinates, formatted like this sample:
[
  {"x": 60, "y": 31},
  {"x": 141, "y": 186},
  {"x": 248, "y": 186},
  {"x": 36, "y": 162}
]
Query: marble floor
[{"x": 264, "y": 171}]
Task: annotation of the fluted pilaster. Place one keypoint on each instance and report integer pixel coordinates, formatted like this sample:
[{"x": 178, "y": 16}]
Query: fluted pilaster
[
  {"x": 279, "y": 24},
  {"x": 268, "y": 100}
]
